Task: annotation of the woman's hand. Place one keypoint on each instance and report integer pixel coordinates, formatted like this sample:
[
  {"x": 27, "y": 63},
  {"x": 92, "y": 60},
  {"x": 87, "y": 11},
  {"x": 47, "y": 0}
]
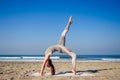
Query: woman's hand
[{"x": 42, "y": 74}]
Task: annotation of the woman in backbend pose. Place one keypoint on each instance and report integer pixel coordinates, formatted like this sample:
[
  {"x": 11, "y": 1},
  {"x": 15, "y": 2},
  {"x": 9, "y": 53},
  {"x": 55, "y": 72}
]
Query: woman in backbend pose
[{"x": 60, "y": 47}]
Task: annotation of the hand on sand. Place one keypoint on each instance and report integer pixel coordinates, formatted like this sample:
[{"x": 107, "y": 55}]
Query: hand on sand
[{"x": 42, "y": 74}]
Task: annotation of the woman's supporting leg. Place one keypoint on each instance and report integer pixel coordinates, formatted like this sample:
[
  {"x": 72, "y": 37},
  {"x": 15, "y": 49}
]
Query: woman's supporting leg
[
  {"x": 63, "y": 35},
  {"x": 73, "y": 55},
  {"x": 73, "y": 62}
]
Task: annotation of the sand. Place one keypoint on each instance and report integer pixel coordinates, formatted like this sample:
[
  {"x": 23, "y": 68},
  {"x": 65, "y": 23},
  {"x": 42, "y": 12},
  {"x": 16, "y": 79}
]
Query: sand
[{"x": 100, "y": 70}]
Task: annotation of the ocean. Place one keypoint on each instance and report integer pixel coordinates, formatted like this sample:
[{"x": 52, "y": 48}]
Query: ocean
[{"x": 60, "y": 58}]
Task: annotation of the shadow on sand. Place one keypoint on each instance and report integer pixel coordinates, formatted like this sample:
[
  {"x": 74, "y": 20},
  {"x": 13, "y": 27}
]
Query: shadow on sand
[{"x": 92, "y": 71}]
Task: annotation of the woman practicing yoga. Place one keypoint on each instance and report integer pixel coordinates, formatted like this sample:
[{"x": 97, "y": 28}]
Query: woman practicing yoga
[{"x": 60, "y": 47}]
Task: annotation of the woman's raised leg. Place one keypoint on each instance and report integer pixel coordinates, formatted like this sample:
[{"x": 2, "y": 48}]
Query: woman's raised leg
[{"x": 63, "y": 35}]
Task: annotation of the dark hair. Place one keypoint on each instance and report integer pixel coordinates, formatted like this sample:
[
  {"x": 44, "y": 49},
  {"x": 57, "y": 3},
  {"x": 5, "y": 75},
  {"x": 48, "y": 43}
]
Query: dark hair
[{"x": 52, "y": 69}]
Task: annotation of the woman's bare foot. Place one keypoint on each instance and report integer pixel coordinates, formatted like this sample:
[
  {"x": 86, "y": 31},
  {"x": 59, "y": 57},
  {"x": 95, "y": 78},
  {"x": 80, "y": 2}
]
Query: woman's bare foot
[
  {"x": 70, "y": 20},
  {"x": 74, "y": 72}
]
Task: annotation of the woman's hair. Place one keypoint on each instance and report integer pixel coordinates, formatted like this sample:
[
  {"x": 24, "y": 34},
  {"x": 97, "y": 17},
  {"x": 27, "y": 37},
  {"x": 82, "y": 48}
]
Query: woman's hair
[{"x": 52, "y": 69}]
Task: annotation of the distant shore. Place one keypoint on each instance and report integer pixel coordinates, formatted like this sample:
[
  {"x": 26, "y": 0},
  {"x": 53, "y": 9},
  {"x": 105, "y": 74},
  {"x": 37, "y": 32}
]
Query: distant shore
[{"x": 100, "y": 70}]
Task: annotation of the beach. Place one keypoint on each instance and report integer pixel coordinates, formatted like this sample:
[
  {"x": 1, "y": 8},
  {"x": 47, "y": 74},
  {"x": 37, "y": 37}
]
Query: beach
[{"x": 100, "y": 70}]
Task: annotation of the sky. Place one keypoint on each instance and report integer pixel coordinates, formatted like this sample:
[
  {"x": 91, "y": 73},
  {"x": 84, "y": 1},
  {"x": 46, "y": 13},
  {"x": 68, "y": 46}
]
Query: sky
[{"x": 31, "y": 26}]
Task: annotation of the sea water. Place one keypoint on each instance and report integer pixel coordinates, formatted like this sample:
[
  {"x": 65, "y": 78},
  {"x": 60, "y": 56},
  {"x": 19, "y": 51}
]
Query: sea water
[{"x": 60, "y": 58}]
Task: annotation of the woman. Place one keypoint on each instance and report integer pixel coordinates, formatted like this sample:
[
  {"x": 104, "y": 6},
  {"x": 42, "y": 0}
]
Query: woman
[{"x": 60, "y": 47}]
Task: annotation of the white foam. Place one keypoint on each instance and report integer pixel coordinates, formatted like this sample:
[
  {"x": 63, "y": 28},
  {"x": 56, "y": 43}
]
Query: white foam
[
  {"x": 9, "y": 58},
  {"x": 27, "y": 59},
  {"x": 32, "y": 57},
  {"x": 111, "y": 59},
  {"x": 40, "y": 58}
]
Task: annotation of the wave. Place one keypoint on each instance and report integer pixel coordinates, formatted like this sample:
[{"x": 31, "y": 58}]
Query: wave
[
  {"x": 32, "y": 57},
  {"x": 9, "y": 58},
  {"x": 28, "y": 58},
  {"x": 55, "y": 57},
  {"x": 59, "y": 58},
  {"x": 111, "y": 59}
]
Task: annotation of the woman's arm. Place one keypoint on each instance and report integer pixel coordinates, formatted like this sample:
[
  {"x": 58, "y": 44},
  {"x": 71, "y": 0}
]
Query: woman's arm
[{"x": 47, "y": 56}]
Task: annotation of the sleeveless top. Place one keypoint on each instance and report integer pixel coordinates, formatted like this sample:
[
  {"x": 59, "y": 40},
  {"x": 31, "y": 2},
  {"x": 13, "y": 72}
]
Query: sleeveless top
[{"x": 53, "y": 49}]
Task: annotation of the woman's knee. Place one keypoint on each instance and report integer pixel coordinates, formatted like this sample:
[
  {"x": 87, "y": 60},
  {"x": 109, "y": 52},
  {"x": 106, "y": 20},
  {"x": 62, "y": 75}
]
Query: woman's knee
[
  {"x": 73, "y": 56},
  {"x": 64, "y": 32}
]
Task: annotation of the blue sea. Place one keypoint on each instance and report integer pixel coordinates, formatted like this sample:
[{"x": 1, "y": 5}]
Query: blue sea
[{"x": 60, "y": 58}]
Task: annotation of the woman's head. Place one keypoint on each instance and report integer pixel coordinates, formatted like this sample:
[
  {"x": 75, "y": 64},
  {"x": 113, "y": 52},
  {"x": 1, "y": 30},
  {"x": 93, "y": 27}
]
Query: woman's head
[{"x": 51, "y": 66}]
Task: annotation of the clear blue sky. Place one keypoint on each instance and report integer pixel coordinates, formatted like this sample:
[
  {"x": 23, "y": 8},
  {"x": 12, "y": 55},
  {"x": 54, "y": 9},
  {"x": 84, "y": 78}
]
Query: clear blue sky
[{"x": 30, "y": 26}]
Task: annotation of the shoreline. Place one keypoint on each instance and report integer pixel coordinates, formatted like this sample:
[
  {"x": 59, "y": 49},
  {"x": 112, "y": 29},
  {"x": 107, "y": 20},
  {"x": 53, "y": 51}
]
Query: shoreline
[
  {"x": 60, "y": 58},
  {"x": 58, "y": 61}
]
